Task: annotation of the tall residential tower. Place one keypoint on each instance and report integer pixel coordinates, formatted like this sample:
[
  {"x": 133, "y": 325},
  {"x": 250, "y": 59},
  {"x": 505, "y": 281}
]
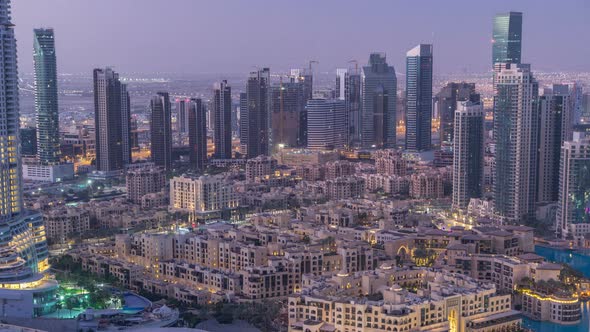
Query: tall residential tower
[
  {"x": 573, "y": 219},
  {"x": 468, "y": 153},
  {"x": 348, "y": 88},
  {"x": 46, "y": 108},
  {"x": 197, "y": 134},
  {"x": 258, "y": 113},
  {"x": 161, "y": 130},
  {"x": 378, "y": 100},
  {"x": 446, "y": 104},
  {"x": 25, "y": 291},
  {"x": 222, "y": 112},
  {"x": 419, "y": 98},
  {"x": 515, "y": 133},
  {"x": 111, "y": 121}
]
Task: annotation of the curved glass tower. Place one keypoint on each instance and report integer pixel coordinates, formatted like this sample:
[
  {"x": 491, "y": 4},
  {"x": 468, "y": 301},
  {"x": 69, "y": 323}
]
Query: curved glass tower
[
  {"x": 46, "y": 96},
  {"x": 25, "y": 290}
]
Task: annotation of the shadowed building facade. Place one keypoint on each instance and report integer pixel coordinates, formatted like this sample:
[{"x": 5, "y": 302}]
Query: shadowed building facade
[
  {"x": 161, "y": 130},
  {"x": 419, "y": 98},
  {"x": 378, "y": 98}
]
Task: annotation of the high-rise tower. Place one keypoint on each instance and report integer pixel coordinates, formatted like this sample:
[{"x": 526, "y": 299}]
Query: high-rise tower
[
  {"x": 348, "y": 88},
  {"x": 10, "y": 173},
  {"x": 24, "y": 290},
  {"x": 446, "y": 104},
  {"x": 378, "y": 100},
  {"x": 468, "y": 153},
  {"x": 515, "y": 133},
  {"x": 555, "y": 127},
  {"x": 287, "y": 104},
  {"x": 111, "y": 121},
  {"x": 258, "y": 113},
  {"x": 419, "y": 98},
  {"x": 573, "y": 219},
  {"x": 507, "y": 38},
  {"x": 326, "y": 124},
  {"x": 222, "y": 111},
  {"x": 243, "y": 123},
  {"x": 46, "y": 108},
  {"x": 160, "y": 130},
  {"x": 197, "y": 133},
  {"x": 182, "y": 106}
]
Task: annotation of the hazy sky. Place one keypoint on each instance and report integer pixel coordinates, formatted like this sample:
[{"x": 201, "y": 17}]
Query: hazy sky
[{"x": 232, "y": 36}]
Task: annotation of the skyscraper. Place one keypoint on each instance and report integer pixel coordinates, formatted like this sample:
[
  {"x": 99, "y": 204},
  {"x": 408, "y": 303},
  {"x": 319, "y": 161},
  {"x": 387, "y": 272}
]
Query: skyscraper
[
  {"x": 304, "y": 78},
  {"x": 507, "y": 38},
  {"x": 182, "y": 106},
  {"x": 243, "y": 123},
  {"x": 468, "y": 153},
  {"x": 258, "y": 117},
  {"x": 446, "y": 104},
  {"x": 197, "y": 134},
  {"x": 348, "y": 88},
  {"x": 419, "y": 98},
  {"x": 222, "y": 111},
  {"x": 46, "y": 108},
  {"x": 10, "y": 172},
  {"x": 160, "y": 130},
  {"x": 111, "y": 114},
  {"x": 24, "y": 290},
  {"x": 573, "y": 219},
  {"x": 287, "y": 104},
  {"x": 326, "y": 124},
  {"x": 555, "y": 128},
  {"x": 515, "y": 133},
  {"x": 126, "y": 124},
  {"x": 378, "y": 98}
]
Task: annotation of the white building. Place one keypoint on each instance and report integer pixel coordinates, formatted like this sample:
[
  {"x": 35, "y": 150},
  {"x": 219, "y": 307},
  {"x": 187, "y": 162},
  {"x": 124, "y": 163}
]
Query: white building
[
  {"x": 48, "y": 173},
  {"x": 205, "y": 196}
]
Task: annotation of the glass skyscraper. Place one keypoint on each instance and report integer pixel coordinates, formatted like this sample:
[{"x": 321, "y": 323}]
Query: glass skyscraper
[
  {"x": 507, "y": 39},
  {"x": 46, "y": 96},
  {"x": 258, "y": 140},
  {"x": 287, "y": 105},
  {"x": 327, "y": 128},
  {"x": 378, "y": 100},
  {"x": 197, "y": 133},
  {"x": 10, "y": 174},
  {"x": 24, "y": 290},
  {"x": 573, "y": 209},
  {"x": 515, "y": 132},
  {"x": 468, "y": 153},
  {"x": 112, "y": 121},
  {"x": 446, "y": 104},
  {"x": 348, "y": 88},
  {"x": 161, "y": 130},
  {"x": 419, "y": 98},
  {"x": 222, "y": 111}
]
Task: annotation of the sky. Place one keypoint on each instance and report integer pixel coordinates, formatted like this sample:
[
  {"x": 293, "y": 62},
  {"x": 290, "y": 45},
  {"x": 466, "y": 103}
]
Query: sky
[{"x": 235, "y": 36}]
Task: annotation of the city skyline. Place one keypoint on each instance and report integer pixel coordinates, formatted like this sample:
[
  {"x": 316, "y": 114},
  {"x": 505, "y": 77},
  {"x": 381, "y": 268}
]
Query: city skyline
[
  {"x": 332, "y": 44},
  {"x": 290, "y": 199}
]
